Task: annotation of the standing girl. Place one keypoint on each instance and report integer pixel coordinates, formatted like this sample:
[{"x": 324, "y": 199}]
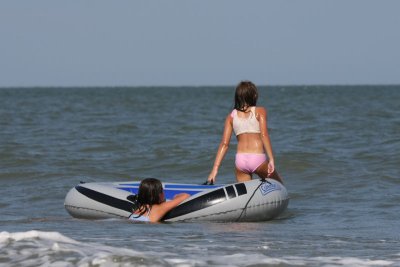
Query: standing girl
[{"x": 249, "y": 123}]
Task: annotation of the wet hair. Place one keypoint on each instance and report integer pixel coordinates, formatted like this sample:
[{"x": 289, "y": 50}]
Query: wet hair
[
  {"x": 246, "y": 95},
  {"x": 150, "y": 193}
]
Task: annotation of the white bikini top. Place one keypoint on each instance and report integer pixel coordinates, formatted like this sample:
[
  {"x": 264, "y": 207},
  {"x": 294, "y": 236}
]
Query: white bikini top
[
  {"x": 245, "y": 125},
  {"x": 138, "y": 218},
  {"x": 143, "y": 218}
]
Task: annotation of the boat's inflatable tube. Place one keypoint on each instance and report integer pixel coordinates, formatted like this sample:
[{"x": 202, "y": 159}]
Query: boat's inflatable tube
[{"x": 254, "y": 200}]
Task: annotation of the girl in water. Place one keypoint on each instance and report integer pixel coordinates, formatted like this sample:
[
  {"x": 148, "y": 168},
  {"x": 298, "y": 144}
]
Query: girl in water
[
  {"x": 249, "y": 123},
  {"x": 150, "y": 204}
]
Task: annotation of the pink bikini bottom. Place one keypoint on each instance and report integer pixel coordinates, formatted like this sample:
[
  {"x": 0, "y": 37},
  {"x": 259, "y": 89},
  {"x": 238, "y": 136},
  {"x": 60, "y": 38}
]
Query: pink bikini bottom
[{"x": 248, "y": 162}]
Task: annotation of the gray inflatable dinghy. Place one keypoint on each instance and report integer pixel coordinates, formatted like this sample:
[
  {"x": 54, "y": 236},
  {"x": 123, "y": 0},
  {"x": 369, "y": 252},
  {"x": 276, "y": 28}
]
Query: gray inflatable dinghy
[{"x": 255, "y": 200}]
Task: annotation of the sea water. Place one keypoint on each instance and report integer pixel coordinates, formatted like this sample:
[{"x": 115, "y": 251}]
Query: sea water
[{"x": 337, "y": 148}]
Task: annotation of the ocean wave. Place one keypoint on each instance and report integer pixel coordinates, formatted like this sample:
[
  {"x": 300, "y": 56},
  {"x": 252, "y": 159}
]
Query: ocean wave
[{"x": 38, "y": 248}]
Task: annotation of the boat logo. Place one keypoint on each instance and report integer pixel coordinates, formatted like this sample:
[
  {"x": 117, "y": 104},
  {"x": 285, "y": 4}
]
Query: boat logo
[{"x": 267, "y": 188}]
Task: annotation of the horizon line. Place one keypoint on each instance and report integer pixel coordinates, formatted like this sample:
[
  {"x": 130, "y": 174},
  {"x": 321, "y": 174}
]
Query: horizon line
[{"x": 195, "y": 86}]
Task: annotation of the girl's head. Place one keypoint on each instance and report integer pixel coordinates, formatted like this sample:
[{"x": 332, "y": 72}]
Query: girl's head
[
  {"x": 150, "y": 193},
  {"x": 246, "y": 95}
]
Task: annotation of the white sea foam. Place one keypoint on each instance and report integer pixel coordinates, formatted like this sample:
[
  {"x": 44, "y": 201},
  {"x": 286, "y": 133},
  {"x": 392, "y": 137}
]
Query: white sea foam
[
  {"x": 55, "y": 236},
  {"x": 37, "y": 248},
  {"x": 246, "y": 259}
]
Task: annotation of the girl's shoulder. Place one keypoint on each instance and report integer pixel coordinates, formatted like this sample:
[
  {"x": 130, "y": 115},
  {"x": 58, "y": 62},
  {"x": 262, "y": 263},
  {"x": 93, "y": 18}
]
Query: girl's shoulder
[
  {"x": 156, "y": 213},
  {"x": 233, "y": 113},
  {"x": 260, "y": 112},
  {"x": 260, "y": 109}
]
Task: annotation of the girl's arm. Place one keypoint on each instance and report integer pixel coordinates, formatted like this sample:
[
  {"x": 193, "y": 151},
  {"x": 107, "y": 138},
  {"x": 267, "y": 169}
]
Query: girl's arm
[
  {"x": 262, "y": 118},
  {"x": 222, "y": 149},
  {"x": 158, "y": 211}
]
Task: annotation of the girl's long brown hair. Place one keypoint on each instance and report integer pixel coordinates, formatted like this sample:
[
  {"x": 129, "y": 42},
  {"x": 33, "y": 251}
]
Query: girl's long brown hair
[
  {"x": 246, "y": 95},
  {"x": 150, "y": 191}
]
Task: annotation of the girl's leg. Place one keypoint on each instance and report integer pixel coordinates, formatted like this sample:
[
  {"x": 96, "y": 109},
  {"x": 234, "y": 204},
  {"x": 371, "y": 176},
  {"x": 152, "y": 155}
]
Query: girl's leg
[
  {"x": 262, "y": 171},
  {"x": 242, "y": 176}
]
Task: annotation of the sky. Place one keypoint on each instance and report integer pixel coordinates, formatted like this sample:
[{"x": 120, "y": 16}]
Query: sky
[{"x": 196, "y": 43}]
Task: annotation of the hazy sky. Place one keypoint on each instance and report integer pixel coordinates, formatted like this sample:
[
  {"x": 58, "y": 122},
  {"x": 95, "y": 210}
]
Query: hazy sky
[{"x": 205, "y": 42}]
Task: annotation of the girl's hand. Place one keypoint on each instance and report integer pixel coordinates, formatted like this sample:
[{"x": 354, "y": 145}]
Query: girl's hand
[
  {"x": 271, "y": 167},
  {"x": 212, "y": 176}
]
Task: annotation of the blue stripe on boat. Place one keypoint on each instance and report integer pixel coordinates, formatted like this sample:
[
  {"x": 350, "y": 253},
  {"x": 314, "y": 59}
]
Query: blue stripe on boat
[
  {"x": 178, "y": 186},
  {"x": 192, "y": 186},
  {"x": 169, "y": 194}
]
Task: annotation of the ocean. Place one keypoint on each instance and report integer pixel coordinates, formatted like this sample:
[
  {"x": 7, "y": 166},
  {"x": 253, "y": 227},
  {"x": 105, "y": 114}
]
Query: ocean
[{"x": 336, "y": 147}]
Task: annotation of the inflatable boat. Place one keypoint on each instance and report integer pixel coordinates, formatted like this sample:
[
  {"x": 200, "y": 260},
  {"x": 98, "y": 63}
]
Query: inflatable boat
[{"x": 255, "y": 200}]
